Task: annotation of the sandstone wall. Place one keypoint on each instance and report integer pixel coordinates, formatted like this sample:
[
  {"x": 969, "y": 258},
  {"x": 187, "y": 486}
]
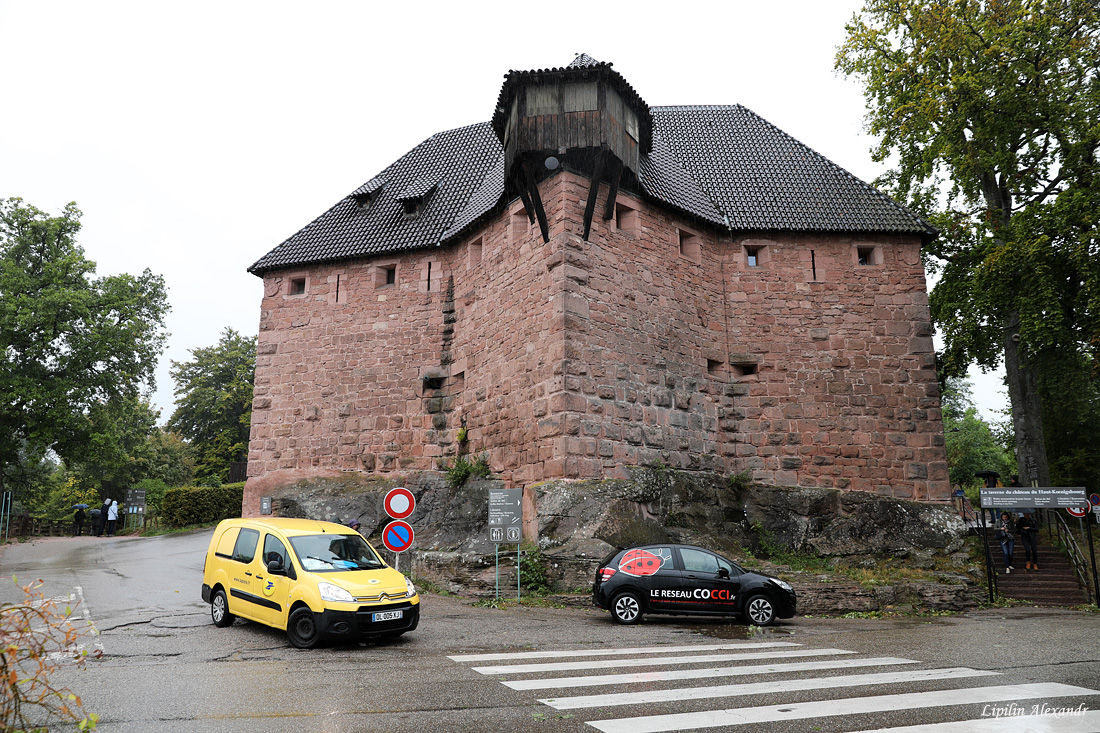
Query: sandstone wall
[{"x": 655, "y": 341}]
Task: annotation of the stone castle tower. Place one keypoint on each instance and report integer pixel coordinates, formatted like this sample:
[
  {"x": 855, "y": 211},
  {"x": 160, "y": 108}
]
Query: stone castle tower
[{"x": 587, "y": 283}]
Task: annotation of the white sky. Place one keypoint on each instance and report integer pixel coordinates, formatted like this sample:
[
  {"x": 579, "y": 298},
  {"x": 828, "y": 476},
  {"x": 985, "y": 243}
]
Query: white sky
[{"x": 197, "y": 136}]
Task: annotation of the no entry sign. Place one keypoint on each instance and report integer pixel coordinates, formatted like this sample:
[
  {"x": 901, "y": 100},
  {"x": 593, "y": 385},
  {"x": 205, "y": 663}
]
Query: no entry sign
[
  {"x": 399, "y": 503},
  {"x": 397, "y": 536},
  {"x": 1078, "y": 511}
]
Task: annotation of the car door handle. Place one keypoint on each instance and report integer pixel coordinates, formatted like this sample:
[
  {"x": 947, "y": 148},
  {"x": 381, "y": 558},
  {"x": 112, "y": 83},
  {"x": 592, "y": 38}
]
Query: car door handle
[
  {"x": 248, "y": 573},
  {"x": 259, "y": 577}
]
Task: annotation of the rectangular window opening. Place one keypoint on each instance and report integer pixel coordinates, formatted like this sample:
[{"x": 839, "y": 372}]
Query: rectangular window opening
[
  {"x": 744, "y": 370},
  {"x": 690, "y": 246},
  {"x": 474, "y": 253},
  {"x": 391, "y": 275},
  {"x": 813, "y": 265},
  {"x": 626, "y": 220},
  {"x": 297, "y": 286},
  {"x": 866, "y": 256},
  {"x": 433, "y": 383},
  {"x": 752, "y": 256},
  {"x": 714, "y": 366},
  {"x": 429, "y": 275}
]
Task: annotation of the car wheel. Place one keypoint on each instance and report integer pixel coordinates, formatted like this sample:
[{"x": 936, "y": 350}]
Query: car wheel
[
  {"x": 760, "y": 611},
  {"x": 626, "y": 608},
  {"x": 301, "y": 628},
  {"x": 219, "y": 610}
]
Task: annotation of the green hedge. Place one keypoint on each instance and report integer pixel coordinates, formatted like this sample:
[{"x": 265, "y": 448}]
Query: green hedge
[{"x": 201, "y": 504}]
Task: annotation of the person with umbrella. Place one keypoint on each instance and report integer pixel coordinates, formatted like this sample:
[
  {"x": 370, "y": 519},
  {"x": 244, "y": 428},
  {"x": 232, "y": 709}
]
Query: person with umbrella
[{"x": 78, "y": 518}]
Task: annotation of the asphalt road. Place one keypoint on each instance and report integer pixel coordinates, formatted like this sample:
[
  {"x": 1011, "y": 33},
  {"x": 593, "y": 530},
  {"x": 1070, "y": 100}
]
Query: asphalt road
[{"x": 165, "y": 667}]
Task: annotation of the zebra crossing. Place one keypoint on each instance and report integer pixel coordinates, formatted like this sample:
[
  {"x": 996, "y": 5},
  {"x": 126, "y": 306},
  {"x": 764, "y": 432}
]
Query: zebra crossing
[{"x": 742, "y": 670}]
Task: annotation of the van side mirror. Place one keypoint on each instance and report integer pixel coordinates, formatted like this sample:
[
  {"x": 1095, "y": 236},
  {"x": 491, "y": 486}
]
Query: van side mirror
[{"x": 275, "y": 567}]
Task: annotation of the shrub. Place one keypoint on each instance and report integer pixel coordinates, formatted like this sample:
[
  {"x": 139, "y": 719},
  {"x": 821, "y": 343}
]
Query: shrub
[
  {"x": 534, "y": 576},
  {"x": 464, "y": 468},
  {"x": 202, "y": 504},
  {"x": 35, "y": 637}
]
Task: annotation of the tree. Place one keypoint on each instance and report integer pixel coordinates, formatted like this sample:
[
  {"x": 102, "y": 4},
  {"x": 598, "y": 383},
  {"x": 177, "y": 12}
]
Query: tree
[
  {"x": 214, "y": 402},
  {"x": 991, "y": 109},
  {"x": 68, "y": 340},
  {"x": 972, "y": 445}
]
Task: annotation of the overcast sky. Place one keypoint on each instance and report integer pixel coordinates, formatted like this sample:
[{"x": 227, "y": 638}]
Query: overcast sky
[{"x": 197, "y": 136}]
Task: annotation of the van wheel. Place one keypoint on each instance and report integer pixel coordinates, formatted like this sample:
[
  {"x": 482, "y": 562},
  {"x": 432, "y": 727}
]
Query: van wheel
[
  {"x": 626, "y": 608},
  {"x": 219, "y": 610},
  {"x": 760, "y": 611},
  {"x": 301, "y": 628}
]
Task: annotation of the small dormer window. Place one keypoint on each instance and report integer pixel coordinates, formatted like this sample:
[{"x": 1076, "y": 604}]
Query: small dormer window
[
  {"x": 416, "y": 195},
  {"x": 368, "y": 193}
]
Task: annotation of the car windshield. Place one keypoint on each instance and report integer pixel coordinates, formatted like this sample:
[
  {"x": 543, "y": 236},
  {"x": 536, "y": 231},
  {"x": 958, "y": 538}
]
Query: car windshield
[{"x": 327, "y": 553}]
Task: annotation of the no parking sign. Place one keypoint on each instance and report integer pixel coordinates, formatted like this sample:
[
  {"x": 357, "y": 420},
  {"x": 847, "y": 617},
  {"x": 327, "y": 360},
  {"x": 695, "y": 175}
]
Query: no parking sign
[{"x": 397, "y": 536}]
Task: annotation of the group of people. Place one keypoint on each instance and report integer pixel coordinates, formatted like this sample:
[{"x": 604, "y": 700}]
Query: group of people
[
  {"x": 1028, "y": 529},
  {"x": 103, "y": 521}
]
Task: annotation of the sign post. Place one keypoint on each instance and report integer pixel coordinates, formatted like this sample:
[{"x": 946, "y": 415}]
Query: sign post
[
  {"x": 506, "y": 525},
  {"x": 398, "y": 535},
  {"x": 1070, "y": 498}
]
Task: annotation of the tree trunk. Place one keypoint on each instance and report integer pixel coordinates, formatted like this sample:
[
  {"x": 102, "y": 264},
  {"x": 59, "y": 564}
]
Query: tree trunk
[{"x": 1027, "y": 416}]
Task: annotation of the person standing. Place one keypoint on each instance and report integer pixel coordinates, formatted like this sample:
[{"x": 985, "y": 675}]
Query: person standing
[
  {"x": 1008, "y": 542},
  {"x": 103, "y": 516},
  {"x": 112, "y": 518},
  {"x": 1029, "y": 535},
  {"x": 78, "y": 521}
]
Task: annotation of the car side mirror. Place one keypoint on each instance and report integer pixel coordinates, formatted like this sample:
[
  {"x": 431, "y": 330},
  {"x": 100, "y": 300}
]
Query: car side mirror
[{"x": 723, "y": 573}]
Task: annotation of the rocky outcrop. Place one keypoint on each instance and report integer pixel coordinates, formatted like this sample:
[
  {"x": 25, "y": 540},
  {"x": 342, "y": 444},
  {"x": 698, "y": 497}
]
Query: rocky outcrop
[{"x": 579, "y": 522}]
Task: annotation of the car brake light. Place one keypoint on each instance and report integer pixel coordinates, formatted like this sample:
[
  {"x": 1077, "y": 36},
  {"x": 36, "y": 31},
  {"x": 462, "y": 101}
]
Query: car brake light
[{"x": 605, "y": 574}]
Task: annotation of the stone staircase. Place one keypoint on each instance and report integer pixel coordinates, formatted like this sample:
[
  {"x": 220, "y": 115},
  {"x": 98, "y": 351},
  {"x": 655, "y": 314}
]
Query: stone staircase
[{"x": 1054, "y": 584}]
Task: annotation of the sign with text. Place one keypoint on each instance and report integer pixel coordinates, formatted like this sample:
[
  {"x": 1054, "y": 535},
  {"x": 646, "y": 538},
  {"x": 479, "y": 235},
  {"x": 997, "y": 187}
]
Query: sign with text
[
  {"x": 1025, "y": 497},
  {"x": 505, "y": 515}
]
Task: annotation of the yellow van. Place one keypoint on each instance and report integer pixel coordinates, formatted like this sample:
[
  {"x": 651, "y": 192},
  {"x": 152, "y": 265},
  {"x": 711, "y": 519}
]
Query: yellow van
[{"x": 317, "y": 580}]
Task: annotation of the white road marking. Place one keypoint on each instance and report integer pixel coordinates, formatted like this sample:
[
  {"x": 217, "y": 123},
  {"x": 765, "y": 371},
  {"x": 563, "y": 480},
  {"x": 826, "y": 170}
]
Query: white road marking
[
  {"x": 1083, "y": 721},
  {"x": 597, "y": 680},
  {"x": 763, "y": 688},
  {"x": 654, "y": 662},
  {"x": 612, "y": 652},
  {"x": 845, "y": 706}
]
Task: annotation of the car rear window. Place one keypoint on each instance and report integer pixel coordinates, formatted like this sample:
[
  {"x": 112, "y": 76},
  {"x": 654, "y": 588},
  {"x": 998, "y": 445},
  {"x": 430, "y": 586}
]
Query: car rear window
[{"x": 245, "y": 550}]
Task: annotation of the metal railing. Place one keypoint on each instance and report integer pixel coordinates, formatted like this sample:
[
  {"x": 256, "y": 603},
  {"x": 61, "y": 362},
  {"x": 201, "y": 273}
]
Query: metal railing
[{"x": 1062, "y": 535}]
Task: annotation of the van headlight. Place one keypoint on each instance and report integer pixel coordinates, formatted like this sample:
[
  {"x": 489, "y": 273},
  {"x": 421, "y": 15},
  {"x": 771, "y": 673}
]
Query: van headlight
[
  {"x": 783, "y": 584},
  {"x": 410, "y": 589},
  {"x": 335, "y": 593}
]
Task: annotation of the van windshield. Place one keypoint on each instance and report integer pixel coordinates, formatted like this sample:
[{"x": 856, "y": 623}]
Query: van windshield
[{"x": 327, "y": 553}]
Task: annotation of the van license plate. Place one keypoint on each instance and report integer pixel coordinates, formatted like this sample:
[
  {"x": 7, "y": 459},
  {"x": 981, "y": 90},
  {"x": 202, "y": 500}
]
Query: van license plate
[{"x": 387, "y": 616}]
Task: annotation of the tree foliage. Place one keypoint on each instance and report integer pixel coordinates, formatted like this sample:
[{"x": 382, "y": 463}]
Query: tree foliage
[
  {"x": 214, "y": 402},
  {"x": 972, "y": 444},
  {"x": 991, "y": 110},
  {"x": 69, "y": 341}
]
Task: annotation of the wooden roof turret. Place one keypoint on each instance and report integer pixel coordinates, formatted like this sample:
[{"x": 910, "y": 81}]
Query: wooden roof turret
[{"x": 583, "y": 115}]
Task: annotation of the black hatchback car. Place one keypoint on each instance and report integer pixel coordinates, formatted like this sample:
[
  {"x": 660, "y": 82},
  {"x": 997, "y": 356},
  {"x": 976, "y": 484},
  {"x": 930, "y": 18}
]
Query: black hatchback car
[{"x": 682, "y": 579}]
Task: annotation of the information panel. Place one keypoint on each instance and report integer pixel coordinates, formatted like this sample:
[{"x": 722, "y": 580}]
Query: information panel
[
  {"x": 505, "y": 515},
  {"x": 1025, "y": 497}
]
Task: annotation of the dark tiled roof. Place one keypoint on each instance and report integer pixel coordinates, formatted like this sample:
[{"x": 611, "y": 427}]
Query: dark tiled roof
[
  {"x": 764, "y": 179},
  {"x": 714, "y": 163},
  {"x": 581, "y": 61}
]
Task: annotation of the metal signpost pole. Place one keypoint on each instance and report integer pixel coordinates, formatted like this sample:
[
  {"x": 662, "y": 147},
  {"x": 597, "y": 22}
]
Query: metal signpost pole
[
  {"x": 518, "y": 553},
  {"x": 1095, "y": 580},
  {"x": 497, "y": 545}
]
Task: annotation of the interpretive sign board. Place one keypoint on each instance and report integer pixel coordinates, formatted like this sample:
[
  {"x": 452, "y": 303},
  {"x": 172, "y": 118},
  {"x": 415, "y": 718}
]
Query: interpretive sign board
[
  {"x": 1026, "y": 497},
  {"x": 505, "y": 515}
]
